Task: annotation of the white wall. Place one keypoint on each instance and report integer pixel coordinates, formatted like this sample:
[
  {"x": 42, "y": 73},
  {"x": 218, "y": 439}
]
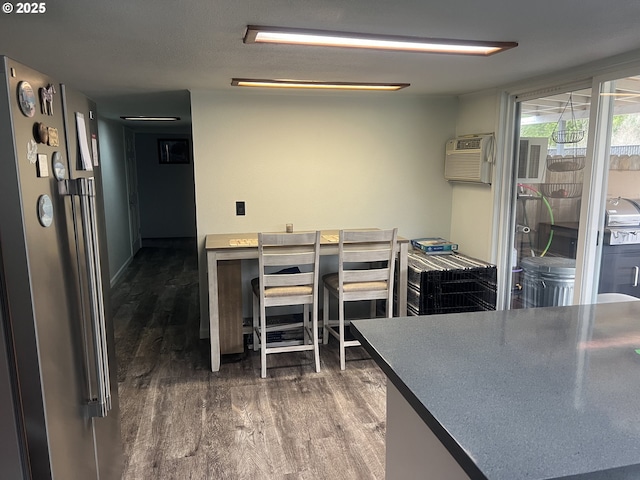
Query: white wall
[
  {"x": 472, "y": 204},
  {"x": 116, "y": 200},
  {"x": 320, "y": 161}
]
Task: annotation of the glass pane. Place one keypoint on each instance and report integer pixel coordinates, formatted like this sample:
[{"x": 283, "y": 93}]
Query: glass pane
[
  {"x": 620, "y": 265},
  {"x": 550, "y": 162}
]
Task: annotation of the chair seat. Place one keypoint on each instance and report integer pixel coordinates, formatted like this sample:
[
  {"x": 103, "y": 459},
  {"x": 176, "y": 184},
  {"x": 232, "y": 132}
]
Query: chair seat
[
  {"x": 281, "y": 291},
  {"x": 332, "y": 281}
]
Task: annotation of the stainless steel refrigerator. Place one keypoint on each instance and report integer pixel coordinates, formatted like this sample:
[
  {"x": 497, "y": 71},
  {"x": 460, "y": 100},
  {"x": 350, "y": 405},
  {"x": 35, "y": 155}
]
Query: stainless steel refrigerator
[{"x": 58, "y": 387}]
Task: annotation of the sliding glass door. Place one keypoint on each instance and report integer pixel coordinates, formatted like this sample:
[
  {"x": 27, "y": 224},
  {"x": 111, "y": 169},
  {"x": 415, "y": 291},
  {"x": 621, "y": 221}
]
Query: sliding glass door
[
  {"x": 619, "y": 276},
  {"x": 547, "y": 192},
  {"x": 575, "y": 196}
]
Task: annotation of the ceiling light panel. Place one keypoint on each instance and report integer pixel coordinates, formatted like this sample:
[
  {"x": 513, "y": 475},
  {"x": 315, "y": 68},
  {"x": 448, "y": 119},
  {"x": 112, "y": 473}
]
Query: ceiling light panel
[
  {"x": 142, "y": 118},
  {"x": 290, "y": 36},
  {"x": 264, "y": 83}
]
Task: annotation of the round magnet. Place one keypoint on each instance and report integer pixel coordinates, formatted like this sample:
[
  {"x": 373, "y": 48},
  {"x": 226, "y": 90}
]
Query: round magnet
[
  {"x": 26, "y": 99},
  {"x": 59, "y": 170},
  {"x": 45, "y": 210}
]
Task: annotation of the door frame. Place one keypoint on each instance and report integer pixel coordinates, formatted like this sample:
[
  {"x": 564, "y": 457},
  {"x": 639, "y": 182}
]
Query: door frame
[
  {"x": 590, "y": 241},
  {"x": 503, "y": 233},
  {"x": 594, "y": 193},
  {"x": 132, "y": 190}
]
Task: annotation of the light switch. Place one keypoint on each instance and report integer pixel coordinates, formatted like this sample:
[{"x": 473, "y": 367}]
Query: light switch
[{"x": 239, "y": 208}]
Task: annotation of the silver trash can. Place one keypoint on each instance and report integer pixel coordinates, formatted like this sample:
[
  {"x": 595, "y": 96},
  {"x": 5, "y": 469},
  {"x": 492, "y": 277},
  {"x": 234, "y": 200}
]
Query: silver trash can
[{"x": 548, "y": 281}]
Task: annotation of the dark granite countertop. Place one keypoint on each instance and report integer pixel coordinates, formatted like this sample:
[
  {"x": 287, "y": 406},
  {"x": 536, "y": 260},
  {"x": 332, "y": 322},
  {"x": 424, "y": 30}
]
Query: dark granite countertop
[{"x": 546, "y": 393}]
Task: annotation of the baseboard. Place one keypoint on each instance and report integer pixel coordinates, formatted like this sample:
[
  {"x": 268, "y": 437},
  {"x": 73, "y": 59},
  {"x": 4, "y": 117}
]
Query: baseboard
[{"x": 120, "y": 272}]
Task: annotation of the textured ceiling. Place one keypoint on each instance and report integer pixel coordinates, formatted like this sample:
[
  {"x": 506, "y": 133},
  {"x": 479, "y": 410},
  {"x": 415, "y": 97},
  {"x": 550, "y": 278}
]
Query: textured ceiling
[{"x": 141, "y": 57}]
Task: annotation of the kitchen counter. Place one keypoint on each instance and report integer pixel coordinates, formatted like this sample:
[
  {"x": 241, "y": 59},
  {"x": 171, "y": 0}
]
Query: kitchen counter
[{"x": 543, "y": 393}]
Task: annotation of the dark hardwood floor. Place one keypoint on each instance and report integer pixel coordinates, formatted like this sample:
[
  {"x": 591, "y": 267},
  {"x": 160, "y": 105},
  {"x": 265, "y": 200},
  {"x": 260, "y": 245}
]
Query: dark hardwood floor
[{"x": 182, "y": 421}]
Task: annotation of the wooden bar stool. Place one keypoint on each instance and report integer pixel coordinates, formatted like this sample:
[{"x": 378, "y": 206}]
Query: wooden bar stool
[
  {"x": 365, "y": 272},
  {"x": 288, "y": 275}
]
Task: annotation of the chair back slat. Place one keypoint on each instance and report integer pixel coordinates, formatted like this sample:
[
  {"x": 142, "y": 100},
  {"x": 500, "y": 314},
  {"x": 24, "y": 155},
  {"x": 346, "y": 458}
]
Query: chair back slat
[
  {"x": 283, "y": 259},
  {"x": 366, "y": 255},
  {"x": 290, "y": 239},
  {"x": 362, "y": 236},
  {"x": 371, "y": 275},
  {"x": 289, "y": 279}
]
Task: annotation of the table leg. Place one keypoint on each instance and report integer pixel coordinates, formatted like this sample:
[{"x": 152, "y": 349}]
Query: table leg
[
  {"x": 230, "y": 335},
  {"x": 214, "y": 312}
]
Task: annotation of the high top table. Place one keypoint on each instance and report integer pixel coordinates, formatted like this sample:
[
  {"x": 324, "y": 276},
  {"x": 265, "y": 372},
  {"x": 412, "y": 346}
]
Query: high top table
[
  {"x": 541, "y": 393},
  {"x": 224, "y": 255}
]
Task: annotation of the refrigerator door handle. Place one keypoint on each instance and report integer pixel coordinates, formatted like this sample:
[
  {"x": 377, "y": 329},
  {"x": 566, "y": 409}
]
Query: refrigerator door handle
[{"x": 85, "y": 189}]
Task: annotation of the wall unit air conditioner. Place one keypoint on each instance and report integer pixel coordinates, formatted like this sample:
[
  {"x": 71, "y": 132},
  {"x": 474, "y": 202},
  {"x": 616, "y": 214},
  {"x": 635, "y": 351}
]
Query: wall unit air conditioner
[
  {"x": 469, "y": 159},
  {"x": 532, "y": 159}
]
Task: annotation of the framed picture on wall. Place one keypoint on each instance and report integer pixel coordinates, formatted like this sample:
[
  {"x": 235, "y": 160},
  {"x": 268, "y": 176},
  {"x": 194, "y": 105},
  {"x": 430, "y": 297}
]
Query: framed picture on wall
[{"x": 173, "y": 151}]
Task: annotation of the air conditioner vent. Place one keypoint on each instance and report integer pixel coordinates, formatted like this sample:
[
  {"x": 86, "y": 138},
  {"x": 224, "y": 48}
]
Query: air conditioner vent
[
  {"x": 468, "y": 143},
  {"x": 469, "y": 159},
  {"x": 532, "y": 156}
]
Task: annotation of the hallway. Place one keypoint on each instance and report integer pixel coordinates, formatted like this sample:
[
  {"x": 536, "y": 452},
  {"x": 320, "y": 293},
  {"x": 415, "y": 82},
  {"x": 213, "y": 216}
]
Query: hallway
[{"x": 182, "y": 421}]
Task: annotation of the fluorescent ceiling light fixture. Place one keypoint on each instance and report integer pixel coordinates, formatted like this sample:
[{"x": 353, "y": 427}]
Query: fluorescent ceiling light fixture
[
  {"x": 249, "y": 82},
  {"x": 291, "y": 36},
  {"x": 143, "y": 118}
]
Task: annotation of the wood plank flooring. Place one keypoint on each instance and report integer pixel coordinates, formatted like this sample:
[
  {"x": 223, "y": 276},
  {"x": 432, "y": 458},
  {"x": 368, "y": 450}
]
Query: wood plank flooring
[{"x": 182, "y": 421}]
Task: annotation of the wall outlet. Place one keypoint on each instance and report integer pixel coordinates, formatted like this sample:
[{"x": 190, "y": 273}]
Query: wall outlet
[{"x": 239, "y": 208}]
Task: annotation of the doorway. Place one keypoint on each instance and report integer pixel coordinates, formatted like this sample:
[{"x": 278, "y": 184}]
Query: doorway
[
  {"x": 552, "y": 136},
  {"x": 166, "y": 190},
  {"x": 620, "y": 246},
  {"x": 576, "y": 164}
]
